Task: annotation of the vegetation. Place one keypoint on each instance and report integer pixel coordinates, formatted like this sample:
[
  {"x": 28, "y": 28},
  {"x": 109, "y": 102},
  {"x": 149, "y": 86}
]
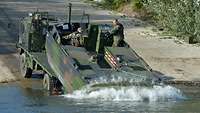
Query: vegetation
[{"x": 179, "y": 17}]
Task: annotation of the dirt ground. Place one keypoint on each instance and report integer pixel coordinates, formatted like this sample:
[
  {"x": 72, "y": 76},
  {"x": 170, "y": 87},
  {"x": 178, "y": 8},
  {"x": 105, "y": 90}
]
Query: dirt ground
[
  {"x": 165, "y": 54},
  {"x": 8, "y": 72}
]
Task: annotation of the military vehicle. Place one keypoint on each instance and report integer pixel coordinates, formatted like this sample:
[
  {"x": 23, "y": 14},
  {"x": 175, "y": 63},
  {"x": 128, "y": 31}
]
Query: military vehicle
[{"x": 66, "y": 68}]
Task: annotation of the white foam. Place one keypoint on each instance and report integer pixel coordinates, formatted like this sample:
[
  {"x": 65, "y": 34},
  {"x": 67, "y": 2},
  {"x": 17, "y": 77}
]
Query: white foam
[
  {"x": 114, "y": 78},
  {"x": 134, "y": 93}
]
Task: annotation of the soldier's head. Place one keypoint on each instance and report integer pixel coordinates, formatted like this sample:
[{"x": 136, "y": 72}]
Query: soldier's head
[
  {"x": 115, "y": 22},
  {"x": 80, "y": 30}
]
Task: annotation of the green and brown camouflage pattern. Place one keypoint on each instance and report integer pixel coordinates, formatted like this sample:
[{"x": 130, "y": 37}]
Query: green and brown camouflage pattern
[{"x": 63, "y": 65}]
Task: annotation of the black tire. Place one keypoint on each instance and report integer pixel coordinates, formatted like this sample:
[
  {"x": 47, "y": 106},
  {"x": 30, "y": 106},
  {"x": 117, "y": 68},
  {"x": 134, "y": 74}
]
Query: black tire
[
  {"x": 25, "y": 71},
  {"x": 48, "y": 83}
]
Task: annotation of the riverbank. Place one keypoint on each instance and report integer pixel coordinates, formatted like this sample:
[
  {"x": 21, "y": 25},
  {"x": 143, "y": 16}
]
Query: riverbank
[
  {"x": 172, "y": 58},
  {"x": 9, "y": 73},
  {"x": 9, "y": 64}
]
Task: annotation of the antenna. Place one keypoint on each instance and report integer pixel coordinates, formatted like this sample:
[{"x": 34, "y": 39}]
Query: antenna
[{"x": 70, "y": 12}]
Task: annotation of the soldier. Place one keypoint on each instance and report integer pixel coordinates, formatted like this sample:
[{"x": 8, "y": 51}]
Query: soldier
[
  {"x": 76, "y": 38},
  {"x": 118, "y": 33}
]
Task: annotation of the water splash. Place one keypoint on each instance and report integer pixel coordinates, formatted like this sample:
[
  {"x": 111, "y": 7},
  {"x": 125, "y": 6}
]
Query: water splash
[
  {"x": 133, "y": 93},
  {"x": 123, "y": 79}
]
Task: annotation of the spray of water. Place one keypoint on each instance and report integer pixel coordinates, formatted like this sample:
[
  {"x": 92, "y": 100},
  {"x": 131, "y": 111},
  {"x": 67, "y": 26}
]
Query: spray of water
[
  {"x": 133, "y": 93},
  {"x": 122, "y": 79}
]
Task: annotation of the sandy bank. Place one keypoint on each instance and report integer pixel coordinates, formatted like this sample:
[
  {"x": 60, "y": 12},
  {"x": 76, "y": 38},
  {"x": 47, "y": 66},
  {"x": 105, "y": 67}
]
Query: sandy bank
[
  {"x": 171, "y": 57},
  {"x": 8, "y": 68}
]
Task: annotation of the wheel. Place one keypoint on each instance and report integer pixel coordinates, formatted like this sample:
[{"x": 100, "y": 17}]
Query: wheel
[
  {"x": 48, "y": 83},
  {"x": 52, "y": 85},
  {"x": 25, "y": 71}
]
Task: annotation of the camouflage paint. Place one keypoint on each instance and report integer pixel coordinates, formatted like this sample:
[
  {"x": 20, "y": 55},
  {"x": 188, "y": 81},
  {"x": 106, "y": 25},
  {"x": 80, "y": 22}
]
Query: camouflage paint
[{"x": 63, "y": 66}]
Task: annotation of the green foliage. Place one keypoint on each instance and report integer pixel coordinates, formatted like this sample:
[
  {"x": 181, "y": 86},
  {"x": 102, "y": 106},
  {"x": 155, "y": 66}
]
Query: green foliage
[
  {"x": 137, "y": 4},
  {"x": 182, "y": 17}
]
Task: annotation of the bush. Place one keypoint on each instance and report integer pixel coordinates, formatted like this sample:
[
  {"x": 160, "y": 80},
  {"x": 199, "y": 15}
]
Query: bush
[
  {"x": 137, "y": 4},
  {"x": 181, "y": 17}
]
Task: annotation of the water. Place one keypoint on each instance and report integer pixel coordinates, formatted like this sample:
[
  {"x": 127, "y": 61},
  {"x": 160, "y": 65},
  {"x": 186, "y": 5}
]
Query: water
[
  {"x": 28, "y": 97},
  {"x": 133, "y": 93}
]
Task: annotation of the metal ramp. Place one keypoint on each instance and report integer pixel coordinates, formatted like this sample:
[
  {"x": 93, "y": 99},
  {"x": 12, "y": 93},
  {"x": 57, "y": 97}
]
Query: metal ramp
[{"x": 41, "y": 59}]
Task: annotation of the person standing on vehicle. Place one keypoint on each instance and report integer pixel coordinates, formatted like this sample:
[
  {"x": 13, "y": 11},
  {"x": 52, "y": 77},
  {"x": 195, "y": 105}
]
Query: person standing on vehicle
[
  {"x": 118, "y": 33},
  {"x": 76, "y": 38}
]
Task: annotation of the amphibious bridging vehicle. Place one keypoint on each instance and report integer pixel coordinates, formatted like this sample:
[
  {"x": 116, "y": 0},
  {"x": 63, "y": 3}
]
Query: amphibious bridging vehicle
[{"x": 67, "y": 68}]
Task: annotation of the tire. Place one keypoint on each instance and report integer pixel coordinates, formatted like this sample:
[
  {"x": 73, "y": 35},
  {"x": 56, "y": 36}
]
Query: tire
[
  {"x": 48, "y": 84},
  {"x": 25, "y": 71},
  {"x": 52, "y": 85}
]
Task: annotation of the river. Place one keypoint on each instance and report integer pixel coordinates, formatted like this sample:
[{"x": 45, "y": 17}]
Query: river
[{"x": 27, "y": 96}]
